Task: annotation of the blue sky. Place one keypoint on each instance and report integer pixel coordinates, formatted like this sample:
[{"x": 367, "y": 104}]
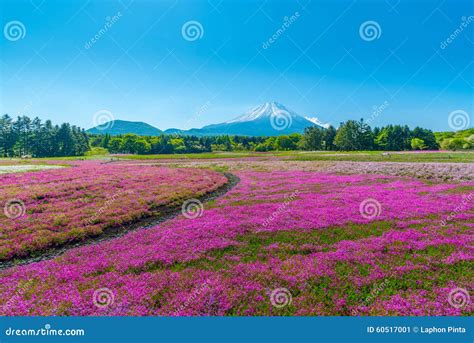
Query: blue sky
[{"x": 321, "y": 64}]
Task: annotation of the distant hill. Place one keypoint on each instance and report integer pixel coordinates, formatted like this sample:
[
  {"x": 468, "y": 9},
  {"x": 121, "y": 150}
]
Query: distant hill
[{"x": 121, "y": 127}]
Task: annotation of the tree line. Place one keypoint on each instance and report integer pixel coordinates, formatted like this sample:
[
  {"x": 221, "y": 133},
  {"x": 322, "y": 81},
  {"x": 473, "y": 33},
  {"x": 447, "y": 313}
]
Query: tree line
[
  {"x": 458, "y": 140},
  {"x": 350, "y": 136},
  {"x": 173, "y": 144},
  {"x": 25, "y": 137},
  {"x": 30, "y": 137},
  {"x": 357, "y": 135}
]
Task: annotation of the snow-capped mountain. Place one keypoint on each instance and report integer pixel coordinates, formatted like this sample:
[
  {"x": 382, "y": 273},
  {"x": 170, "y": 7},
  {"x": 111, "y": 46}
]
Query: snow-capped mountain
[
  {"x": 265, "y": 110},
  {"x": 318, "y": 122},
  {"x": 268, "y": 119}
]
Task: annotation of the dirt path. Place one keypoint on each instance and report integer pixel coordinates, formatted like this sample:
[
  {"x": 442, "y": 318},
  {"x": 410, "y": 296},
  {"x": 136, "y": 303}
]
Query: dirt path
[{"x": 121, "y": 230}]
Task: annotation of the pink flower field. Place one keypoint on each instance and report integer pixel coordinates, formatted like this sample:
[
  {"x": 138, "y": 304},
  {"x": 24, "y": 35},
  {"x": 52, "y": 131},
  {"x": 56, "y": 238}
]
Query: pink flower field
[
  {"x": 50, "y": 208},
  {"x": 281, "y": 242}
]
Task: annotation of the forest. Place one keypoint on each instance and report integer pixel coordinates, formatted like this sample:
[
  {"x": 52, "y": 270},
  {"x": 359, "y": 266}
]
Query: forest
[
  {"x": 350, "y": 136},
  {"x": 25, "y": 137}
]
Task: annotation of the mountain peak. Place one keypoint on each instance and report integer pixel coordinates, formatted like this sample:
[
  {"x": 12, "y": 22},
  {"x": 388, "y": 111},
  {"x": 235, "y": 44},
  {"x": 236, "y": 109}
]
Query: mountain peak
[
  {"x": 265, "y": 110},
  {"x": 274, "y": 104}
]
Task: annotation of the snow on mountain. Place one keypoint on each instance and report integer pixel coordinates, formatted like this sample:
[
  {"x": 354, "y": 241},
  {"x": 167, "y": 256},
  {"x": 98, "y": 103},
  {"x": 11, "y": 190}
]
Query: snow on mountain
[
  {"x": 268, "y": 119},
  {"x": 317, "y": 122},
  {"x": 265, "y": 110}
]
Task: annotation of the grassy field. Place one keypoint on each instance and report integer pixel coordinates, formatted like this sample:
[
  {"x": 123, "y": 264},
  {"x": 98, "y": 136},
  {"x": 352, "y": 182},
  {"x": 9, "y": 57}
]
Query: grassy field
[
  {"x": 356, "y": 156},
  {"x": 379, "y": 156},
  {"x": 359, "y": 156},
  {"x": 209, "y": 155}
]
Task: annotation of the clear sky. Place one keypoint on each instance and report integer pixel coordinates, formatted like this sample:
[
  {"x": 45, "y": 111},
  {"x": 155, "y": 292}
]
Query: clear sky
[{"x": 144, "y": 66}]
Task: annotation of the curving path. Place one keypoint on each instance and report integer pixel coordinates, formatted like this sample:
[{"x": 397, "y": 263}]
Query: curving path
[{"x": 121, "y": 230}]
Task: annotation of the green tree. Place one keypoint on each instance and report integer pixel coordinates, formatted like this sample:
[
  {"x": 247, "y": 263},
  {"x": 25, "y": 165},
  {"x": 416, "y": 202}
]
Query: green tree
[
  {"x": 353, "y": 135},
  {"x": 284, "y": 143},
  {"x": 418, "y": 144},
  {"x": 7, "y": 136},
  {"x": 313, "y": 138},
  {"x": 115, "y": 145},
  {"x": 456, "y": 144},
  {"x": 329, "y": 135},
  {"x": 178, "y": 145},
  {"x": 427, "y": 136}
]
